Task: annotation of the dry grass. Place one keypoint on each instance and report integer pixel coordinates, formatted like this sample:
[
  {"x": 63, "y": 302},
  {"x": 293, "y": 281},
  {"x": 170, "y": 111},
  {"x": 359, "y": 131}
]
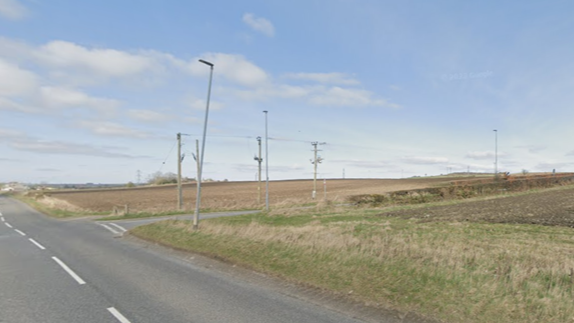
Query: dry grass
[{"x": 457, "y": 272}]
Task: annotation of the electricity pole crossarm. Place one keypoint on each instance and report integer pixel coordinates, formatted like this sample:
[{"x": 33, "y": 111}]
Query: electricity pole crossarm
[
  {"x": 316, "y": 160},
  {"x": 259, "y": 160}
]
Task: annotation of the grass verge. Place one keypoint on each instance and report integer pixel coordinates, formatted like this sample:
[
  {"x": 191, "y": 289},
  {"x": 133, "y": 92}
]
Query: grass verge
[
  {"x": 52, "y": 211},
  {"x": 456, "y": 272}
]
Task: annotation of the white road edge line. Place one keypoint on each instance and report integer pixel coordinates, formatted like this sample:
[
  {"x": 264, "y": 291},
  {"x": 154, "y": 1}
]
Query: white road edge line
[
  {"x": 69, "y": 271},
  {"x": 118, "y": 315},
  {"x": 111, "y": 230},
  {"x": 8, "y": 225},
  {"x": 37, "y": 244},
  {"x": 119, "y": 227},
  {"x": 20, "y": 232}
]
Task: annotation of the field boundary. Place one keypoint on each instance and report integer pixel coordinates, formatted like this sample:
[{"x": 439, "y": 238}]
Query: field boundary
[{"x": 462, "y": 190}]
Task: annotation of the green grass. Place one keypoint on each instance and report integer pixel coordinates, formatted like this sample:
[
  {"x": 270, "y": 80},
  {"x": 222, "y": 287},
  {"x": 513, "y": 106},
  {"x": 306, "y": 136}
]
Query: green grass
[{"x": 456, "y": 272}]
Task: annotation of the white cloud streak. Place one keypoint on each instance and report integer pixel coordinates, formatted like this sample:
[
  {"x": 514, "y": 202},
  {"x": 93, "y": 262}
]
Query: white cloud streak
[
  {"x": 233, "y": 68},
  {"x": 259, "y": 24},
  {"x": 15, "y": 81},
  {"x": 23, "y": 142},
  {"x": 148, "y": 116},
  {"x": 112, "y": 129},
  {"x": 12, "y": 9},
  {"x": 324, "y": 78},
  {"x": 420, "y": 160}
]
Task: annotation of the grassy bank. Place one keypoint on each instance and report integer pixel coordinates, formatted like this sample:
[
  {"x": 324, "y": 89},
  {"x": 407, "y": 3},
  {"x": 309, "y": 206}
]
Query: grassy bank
[
  {"x": 456, "y": 272},
  {"x": 54, "y": 210}
]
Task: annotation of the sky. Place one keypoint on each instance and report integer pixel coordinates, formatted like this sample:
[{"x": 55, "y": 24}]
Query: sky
[{"x": 96, "y": 91}]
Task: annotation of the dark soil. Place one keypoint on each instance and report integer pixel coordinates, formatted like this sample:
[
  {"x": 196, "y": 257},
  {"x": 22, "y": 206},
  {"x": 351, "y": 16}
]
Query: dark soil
[{"x": 553, "y": 207}]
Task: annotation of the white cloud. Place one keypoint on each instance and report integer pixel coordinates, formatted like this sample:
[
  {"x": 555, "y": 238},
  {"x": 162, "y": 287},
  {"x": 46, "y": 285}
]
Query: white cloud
[
  {"x": 480, "y": 154},
  {"x": 57, "y": 97},
  {"x": 484, "y": 154},
  {"x": 259, "y": 24},
  {"x": 12, "y": 9},
  {"x": 424, "y": 160},
  {"x": 338, "y": 96},
  {"x": 15, "y": 81},
  {"x": 533, "y": 149},
  {"x": 325, "y": 78},
  {"x": 103, "y": 62},
  {"x": 199, "y": 104},
  {"x": 148, "y": 116},
  {"x": 22, "y": 141},
  {"x": 276, "y": 91},
  {"x": 234, "y": 68},
  {"x": 112, "y": 129}
]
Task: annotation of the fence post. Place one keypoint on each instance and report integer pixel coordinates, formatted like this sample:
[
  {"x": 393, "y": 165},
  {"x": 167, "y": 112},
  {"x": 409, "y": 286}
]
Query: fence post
[{"x": 126, "y": 209}]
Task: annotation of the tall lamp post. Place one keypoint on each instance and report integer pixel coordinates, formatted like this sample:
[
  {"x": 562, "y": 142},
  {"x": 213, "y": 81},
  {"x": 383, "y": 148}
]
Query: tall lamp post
[
  {"x": 495, "y": 154},
  {"x": 198, "y": 197},
  {"x": 266, "y": 165}
]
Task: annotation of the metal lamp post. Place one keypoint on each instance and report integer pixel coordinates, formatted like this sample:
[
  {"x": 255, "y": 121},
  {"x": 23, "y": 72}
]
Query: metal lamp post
[{"x": 198, "y": 197}]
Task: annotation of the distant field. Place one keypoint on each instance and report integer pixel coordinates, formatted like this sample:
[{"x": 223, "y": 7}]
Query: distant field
[{"x": 236, "y": 195}]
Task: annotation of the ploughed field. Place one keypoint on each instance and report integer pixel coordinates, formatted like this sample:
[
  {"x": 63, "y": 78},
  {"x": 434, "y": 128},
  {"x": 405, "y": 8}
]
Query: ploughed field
[
  {"x": 551, "y": 207},
  {"x": 235, "y": 195}
]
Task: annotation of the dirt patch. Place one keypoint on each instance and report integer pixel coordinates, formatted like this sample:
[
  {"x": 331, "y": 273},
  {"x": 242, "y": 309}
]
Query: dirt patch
[{"x": 554, "y": 207}]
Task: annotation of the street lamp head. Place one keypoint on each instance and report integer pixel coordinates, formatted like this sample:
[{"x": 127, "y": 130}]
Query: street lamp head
[
  {"x": 206, "y": 62},
  {"x": 264, "y": 111}
]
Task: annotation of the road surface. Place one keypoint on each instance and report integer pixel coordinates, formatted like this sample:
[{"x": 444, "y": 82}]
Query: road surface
[{"x": 78, "y": 271}]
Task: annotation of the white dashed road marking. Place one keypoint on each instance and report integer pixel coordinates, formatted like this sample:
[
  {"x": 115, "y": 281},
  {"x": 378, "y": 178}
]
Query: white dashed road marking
[
  {"x": 118, "y": 315},
  {"x": 8, "y": 225},
  {"x": 20, "y": 232},
  {"x": 37, "y": 244},
  {"x": 69, "y": 271}
]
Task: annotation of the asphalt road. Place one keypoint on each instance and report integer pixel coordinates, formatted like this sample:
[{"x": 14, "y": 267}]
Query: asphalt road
[
  {"x": 120, "y": 226},
  {"x": 78, "y": 271}
]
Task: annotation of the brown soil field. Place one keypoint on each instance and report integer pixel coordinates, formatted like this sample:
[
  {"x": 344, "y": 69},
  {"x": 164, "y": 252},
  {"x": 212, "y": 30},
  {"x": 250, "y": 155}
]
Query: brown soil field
[
  {"x": 553, "y": 207},
  {"x": 236, "y": 195}
]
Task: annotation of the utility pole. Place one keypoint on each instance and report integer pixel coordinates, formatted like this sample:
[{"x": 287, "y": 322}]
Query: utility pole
[
  {"x": 343, "y": 173},
  {"x": 259, "y": 160},
  {"x": 316, "y": 160},
  {"x": 266, "y": 165},
  {"x": 495, "y": 154},
  {"x": 179, "y": 196},
  {"x": 139, "y": 174}
]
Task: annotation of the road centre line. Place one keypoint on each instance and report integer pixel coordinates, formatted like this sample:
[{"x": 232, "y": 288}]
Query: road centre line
[
  {"x": 20, "y": 232},
  {"x": 8, "y": 225},
  {"x": 119, "y": 227},
  {"x": 111, "y": 230},
  {"x": 118, "y": 315},
  {"x": 37, "y": 244},
  {"x": 1, "y": 218},
  {"x": 69, "y": 271}
]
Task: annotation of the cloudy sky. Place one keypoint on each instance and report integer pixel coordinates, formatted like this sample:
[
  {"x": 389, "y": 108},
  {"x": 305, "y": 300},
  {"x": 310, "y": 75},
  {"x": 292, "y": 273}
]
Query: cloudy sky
[{"x": 95, "y": 91}]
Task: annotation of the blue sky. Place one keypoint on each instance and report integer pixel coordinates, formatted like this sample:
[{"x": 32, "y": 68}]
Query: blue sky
[{"x": 96, "y": 91}]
